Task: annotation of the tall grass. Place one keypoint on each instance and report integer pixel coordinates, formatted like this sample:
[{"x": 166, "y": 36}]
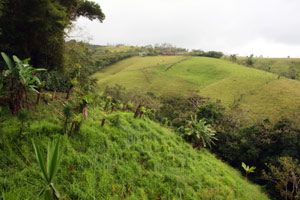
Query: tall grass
[{"x": 125, "y": 159}]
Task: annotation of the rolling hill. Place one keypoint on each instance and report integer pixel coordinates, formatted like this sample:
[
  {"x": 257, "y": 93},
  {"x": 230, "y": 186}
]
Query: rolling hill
[{"x": 258, "y": 94}]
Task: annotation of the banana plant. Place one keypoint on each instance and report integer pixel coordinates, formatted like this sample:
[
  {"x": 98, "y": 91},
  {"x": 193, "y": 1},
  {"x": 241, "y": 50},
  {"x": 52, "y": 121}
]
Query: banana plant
[
  {"x": 200, "y": 133},
  {"x": 48, "y": 168},
  {"x": 248, "y": 170},
  {"x": 18, "y": 79}
]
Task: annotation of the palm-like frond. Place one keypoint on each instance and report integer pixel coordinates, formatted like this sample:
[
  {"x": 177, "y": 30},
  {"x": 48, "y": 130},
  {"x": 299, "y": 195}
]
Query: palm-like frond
[
  {"x": 199, "y": 130},
  {"x": 48, "y": 167},
  {"x": 8, "y": 61}
]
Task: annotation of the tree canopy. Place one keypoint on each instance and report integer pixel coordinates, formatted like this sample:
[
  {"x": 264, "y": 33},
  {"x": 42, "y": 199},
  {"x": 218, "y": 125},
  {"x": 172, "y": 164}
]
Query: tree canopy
[{"x": 36, "y": 28}]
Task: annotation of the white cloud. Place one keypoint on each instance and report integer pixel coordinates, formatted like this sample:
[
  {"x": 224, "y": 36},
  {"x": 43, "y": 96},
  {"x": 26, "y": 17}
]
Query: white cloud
[{"x": 262, "y": 27}]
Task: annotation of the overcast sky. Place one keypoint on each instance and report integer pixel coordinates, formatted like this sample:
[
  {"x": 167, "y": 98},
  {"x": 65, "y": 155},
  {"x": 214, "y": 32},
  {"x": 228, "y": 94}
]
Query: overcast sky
[{"x": 262, "y": 27}]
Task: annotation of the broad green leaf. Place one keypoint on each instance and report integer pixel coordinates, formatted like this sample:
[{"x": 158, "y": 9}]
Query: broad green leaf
[
  {"x": 40, "y": 160},
  {"x": 54, "y": 161},
  {"x": 252, "y": 169},
  {"x": 244, "y": 166},
  {"x": 17, "y": 60},
  {"x": 8, "y": 61}
]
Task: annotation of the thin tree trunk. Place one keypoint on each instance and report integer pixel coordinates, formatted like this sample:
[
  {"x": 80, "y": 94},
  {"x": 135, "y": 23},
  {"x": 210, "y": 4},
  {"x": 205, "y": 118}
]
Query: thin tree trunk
[
  {"x": 141, "y": 114},
  {"x": 53, "y": 95},
  {"x": 72, "y": 128},
  {"x": 38, "y": 100},
  {"x": 85, "y": 113},
  {"x": 103, "y": 122},
  {"x": 69, "y": 92},
  {"x": 136, "y": 114},
  {"x": 112, "y": 109},
  {"x": 26, "y": 96},
  {"x": 66, "y": 125}
]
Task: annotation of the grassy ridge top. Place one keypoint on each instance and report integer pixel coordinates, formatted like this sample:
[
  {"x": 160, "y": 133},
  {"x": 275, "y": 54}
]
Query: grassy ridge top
[
  {"x": 126, "y": 159},
  {"x": 258, "y": 94}
]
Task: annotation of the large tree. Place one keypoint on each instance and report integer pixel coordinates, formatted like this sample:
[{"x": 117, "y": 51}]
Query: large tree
[{"x": 36, "y": 28}]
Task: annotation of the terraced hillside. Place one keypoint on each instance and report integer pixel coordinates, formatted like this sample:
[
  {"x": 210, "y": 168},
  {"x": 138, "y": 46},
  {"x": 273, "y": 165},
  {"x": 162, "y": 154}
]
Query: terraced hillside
[
  {"x": 257, "y": 93},
  {"x": 126, "y": 159}
]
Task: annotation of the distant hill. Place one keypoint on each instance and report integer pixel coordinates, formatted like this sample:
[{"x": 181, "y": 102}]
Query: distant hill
[
  {"x": 258, "y": 94},
  {"x": 286, "y": 67}
]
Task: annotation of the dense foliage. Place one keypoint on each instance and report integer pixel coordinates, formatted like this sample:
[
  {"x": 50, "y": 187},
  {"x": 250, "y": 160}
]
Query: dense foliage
[
  {"x": 16, "y": 81},
  {"x": 36, "y": 28}
]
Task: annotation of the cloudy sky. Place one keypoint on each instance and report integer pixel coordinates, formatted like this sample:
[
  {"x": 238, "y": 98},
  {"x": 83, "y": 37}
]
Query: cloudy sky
[{"x": 263, "y": 27}]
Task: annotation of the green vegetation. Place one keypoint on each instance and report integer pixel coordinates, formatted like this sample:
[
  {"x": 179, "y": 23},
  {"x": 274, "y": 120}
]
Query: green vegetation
[
  {"x": 18, "y": 80},
  {"x": 126, "y": 158},
  {"x": 114, "y": 146},
  {"x": 284, "y": 67},
  {"x": 48, "y": 168},
  {"x": 248, "y": 170},
  {"x": 257, "y": 94},
  {"x": 200, "y": 133},
  {"x": 285, "y": 176},
  {"x": 36, "y": 29}
]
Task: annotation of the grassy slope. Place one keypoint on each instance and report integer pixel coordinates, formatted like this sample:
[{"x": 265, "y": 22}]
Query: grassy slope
[
  {"x": 281, "y": 66},
  {"x": 126, "y": 159},
  {"x": 259, "y": 94}
]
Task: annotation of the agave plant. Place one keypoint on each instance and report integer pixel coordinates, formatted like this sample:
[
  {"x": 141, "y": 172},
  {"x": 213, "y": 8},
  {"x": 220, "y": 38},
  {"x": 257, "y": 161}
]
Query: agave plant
[
  {"x": 48, "y": 168},
  {"x": 200, "y": 133}
]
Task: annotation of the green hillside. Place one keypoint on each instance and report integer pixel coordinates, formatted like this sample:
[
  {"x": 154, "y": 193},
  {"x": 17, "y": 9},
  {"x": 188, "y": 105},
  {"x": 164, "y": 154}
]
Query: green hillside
[
  {"x": 287, "y": 67},
  {"x": 126, "y": 159},
  {"x": 258, "y": 94}
]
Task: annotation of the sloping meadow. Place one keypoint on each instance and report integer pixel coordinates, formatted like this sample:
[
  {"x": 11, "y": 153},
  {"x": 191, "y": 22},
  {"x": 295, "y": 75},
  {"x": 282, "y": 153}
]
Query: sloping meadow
[
  {"x": 258, "y": 94},
  {"x": 126, "y": 159}
]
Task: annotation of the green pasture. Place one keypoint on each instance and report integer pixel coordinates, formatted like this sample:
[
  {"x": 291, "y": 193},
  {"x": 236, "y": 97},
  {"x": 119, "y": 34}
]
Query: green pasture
[{"x": 259, "y": 94}]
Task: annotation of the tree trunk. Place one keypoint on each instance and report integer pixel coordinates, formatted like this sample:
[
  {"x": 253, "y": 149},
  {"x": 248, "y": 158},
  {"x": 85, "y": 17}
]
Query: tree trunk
[
  {"x": 112, "y": 109},
  {"x": 72, "y": 128},
  {"x": 103, "y": 122},
  {"x": 53, "y": 95},
  {"x": 137, "y": 112},
  {"x": 246, "y": 177},
  {"x": 66, "y": 125},
  {"x": 38, "y": 100},
  {"x": 26, "y": 96},
  {"x": 16, "y": 101},
  {"x": 85, "y": 113},
  {"x": 141, "y": 114},
  {"x": 69, "y": 92}
]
